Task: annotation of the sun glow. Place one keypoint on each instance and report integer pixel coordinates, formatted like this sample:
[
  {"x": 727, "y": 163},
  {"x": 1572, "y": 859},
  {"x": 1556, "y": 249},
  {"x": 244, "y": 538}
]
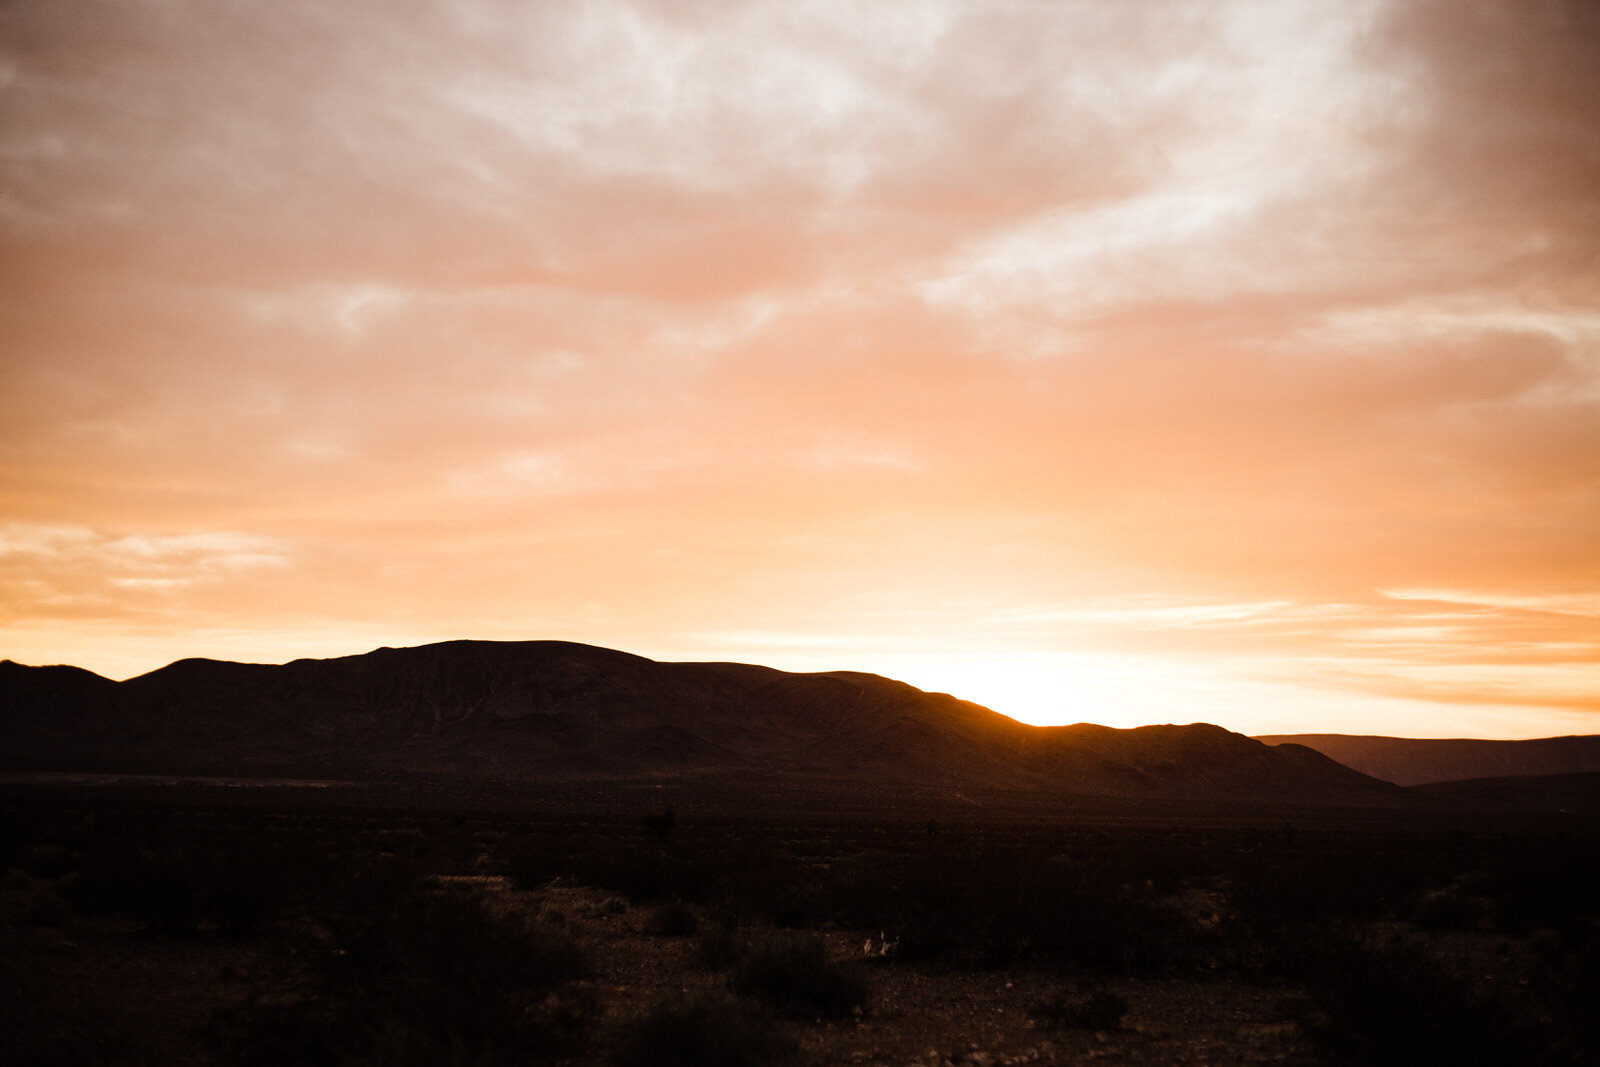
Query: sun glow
[{"x": 1056, "y": 689}]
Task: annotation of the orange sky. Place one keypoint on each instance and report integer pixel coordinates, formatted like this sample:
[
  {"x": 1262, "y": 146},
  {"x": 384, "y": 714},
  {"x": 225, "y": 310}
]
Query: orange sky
[{"x": 1152, "y": 362}]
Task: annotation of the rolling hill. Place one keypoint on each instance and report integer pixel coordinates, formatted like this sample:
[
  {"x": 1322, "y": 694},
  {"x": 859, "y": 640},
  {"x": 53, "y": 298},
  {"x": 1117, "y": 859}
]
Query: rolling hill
[
  {"x": 552, "y": 710},
  {"x": 1420, "y": 761}
]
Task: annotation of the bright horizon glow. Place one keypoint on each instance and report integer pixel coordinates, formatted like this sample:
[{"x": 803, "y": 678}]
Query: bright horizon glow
[{"x": 1134, "y": 363}]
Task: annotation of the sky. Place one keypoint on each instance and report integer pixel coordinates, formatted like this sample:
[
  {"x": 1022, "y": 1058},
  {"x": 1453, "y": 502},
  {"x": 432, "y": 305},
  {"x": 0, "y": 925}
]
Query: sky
[{"x": 1095, "y": 361}]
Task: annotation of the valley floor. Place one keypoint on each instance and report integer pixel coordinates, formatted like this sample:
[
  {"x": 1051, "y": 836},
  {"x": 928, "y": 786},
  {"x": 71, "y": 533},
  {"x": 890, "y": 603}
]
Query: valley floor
[
  {"x": 104, "y": 991},
  {"x": 143, "y": 933}
]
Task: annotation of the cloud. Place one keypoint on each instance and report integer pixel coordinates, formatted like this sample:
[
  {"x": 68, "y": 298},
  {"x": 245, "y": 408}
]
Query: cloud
[
  {"x": 77, "y": 572},
  {"x": 1505, "y": 137},
  {"x": 635, "y": 320}
]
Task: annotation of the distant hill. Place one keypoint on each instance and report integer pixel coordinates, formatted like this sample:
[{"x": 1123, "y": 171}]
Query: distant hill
[
  {"x": 1418, "y": 761},
  {"x": 556, "y": 711}
]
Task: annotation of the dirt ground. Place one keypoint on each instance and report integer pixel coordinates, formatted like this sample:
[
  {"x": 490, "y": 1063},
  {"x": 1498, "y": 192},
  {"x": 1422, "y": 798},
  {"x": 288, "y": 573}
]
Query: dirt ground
[
  {"x": 1212, "y": 942},
  {"x": 99, "y": 989}
]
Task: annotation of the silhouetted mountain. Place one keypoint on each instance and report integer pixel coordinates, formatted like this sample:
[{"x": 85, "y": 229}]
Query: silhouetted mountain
[
  {"x": 1418, "y": 761},
  {"x": 548, "y": 710}
]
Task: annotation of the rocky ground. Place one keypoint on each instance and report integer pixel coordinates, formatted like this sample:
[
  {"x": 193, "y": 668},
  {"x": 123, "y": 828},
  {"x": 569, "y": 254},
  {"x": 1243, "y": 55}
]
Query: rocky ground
[
  {"x": 169, "y": 929},
  {"x": 101, "y": 989}
]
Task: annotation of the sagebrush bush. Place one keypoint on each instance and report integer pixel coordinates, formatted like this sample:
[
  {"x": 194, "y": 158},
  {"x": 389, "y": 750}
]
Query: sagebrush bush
[
  {"x": 437, "y": 978},
  {"x": 673, "y": 919},
  {"x": 703, "y": 1031},
  {"x": 1567, "y": 970},
  {"x": 1543, "y": 890},
  {"x": 533, "y": 861},
  {"x": 796, "y": 975},
  {"x": 48, "y": 861},
  {"x": 1097, "y": 1008},
  {"x": 1000, "y": 904},
  {"x": 1389, "y": 1002},
  {"x": 639, "y": 870},
  {"x": 442, "y": 962},
  {"x": 1448, "y": 909},
  {"x": 179, "y": 886},
  {"x": 720, "y": 945},
  {"x": 1291, "y": 887},
  {"x": 48, "y": 909}
]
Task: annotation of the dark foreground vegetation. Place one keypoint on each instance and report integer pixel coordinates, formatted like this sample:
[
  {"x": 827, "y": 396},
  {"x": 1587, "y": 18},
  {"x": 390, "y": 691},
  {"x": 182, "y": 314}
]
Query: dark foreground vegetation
[{"x": 194, "y": 930}]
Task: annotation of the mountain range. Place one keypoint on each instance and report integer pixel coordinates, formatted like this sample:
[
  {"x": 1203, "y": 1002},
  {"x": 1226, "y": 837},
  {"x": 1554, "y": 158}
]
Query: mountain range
[
  {"x": 557, "y": 711},
  {"x": 1422, "y": 761}
]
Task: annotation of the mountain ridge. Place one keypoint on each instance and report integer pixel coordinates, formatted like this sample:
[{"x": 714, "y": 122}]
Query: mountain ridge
[{"x": 556, "y": 710}]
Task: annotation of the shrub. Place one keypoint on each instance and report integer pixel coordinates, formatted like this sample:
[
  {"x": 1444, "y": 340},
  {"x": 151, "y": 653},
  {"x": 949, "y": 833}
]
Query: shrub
[
  {"x": 15, "y": 879},
  {"x": 441, "y": 962},
  {"x": 1363, "y": 877},
  {"x": 178, "y": 887},
  {"x": 1382, "y": 1002},
  {"x": 1567, "y": 971},
  {"x": 436, "y": 979},
  {"x": 1448, "y": 909},
  {"x": 720, "y": 946},
  {"x": 48, "y": 909},
  {"x": 48, "y": 861},
  {"x": 703, "y": 1031},
  {"x": 648, "y": 872},
  {"x": 126, "y": 877},
  {"x": 673, "y": 919},
  {"x": 1003, "y": 903},
  {"x": 1096, "y": 1009},
  {"x": 531, "y": 862},
  {"x": 799, "y": 905},
  {"x": 1543, "y": 890},
  {"x": 796, "y": 975}
]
